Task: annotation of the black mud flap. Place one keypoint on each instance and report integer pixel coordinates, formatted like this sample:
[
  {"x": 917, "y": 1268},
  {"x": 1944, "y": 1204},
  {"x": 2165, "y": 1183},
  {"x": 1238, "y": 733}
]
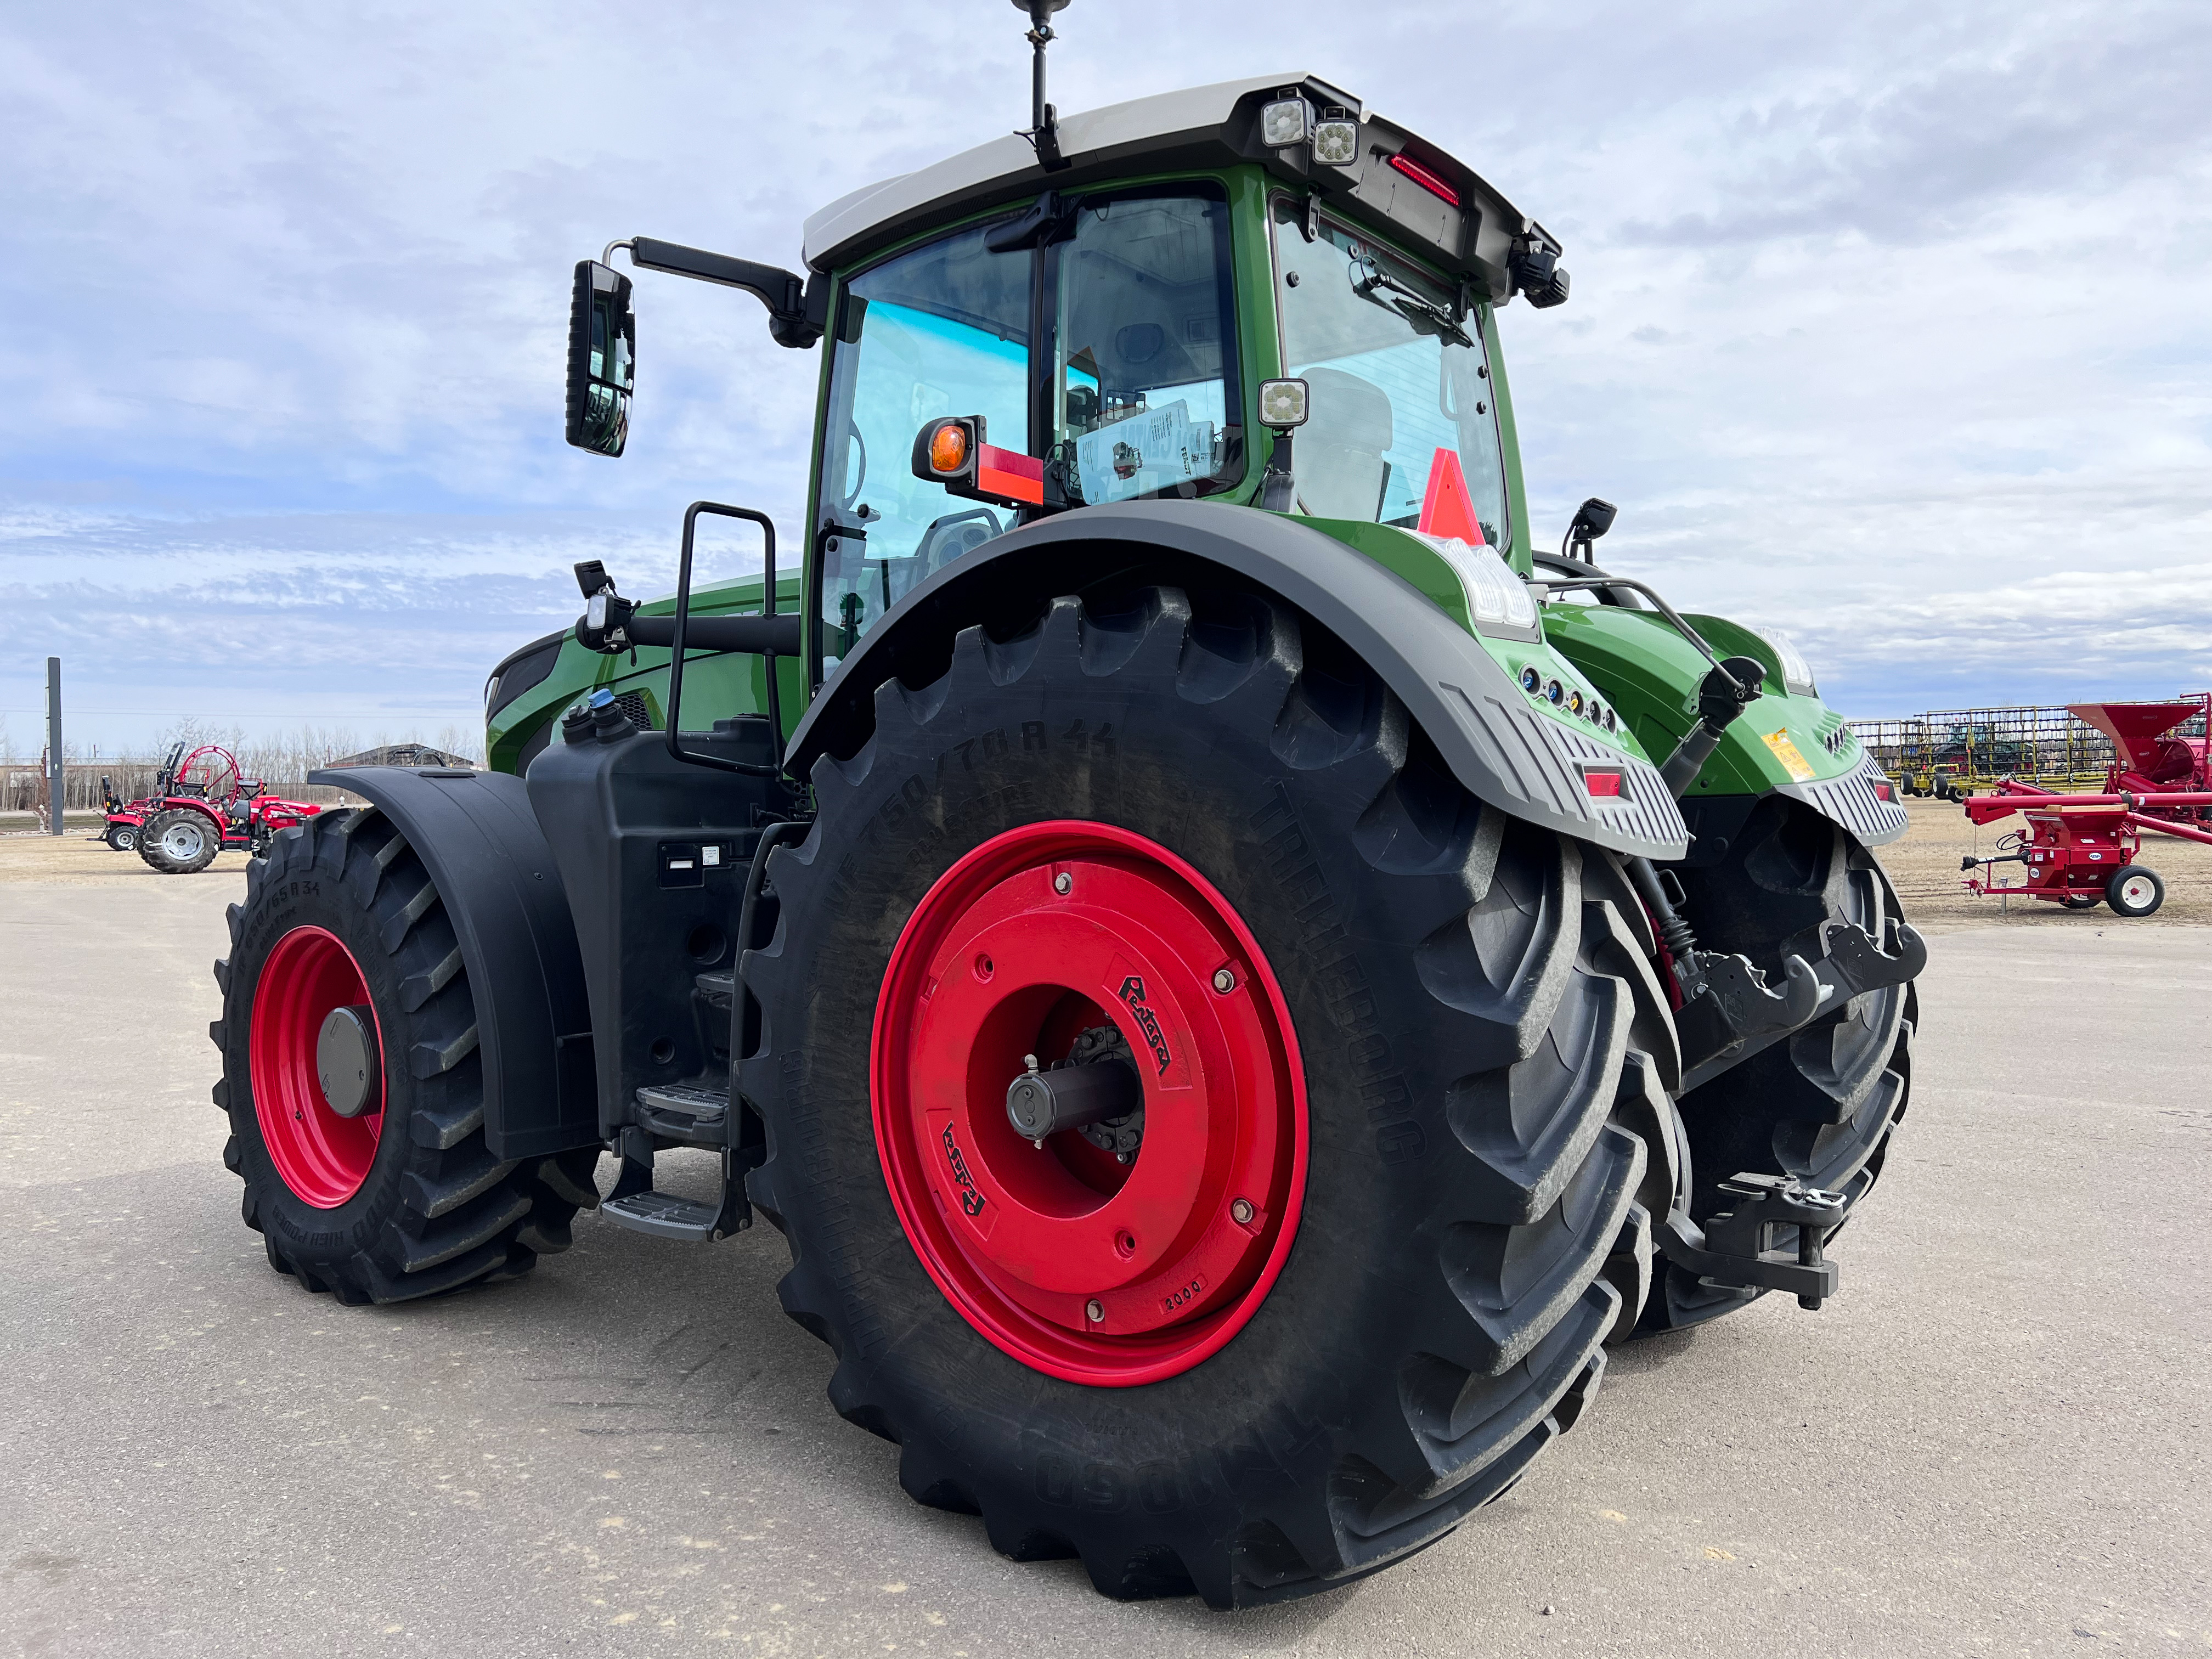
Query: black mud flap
[{"x": 476, "y": 834}]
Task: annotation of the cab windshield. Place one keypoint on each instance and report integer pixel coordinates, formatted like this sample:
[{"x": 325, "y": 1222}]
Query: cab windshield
[{"x": 1401, "y": 429}]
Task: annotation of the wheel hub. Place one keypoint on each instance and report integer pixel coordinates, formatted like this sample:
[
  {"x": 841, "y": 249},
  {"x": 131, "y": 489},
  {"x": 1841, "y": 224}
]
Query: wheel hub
[
  {"x": 1118, "y": 1262},
  {"x": 345, "y": 1067},
  {"x": 315, "y": 1059}
]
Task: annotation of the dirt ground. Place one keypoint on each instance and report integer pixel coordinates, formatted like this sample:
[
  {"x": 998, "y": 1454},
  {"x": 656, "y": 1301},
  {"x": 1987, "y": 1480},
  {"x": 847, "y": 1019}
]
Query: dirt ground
[
  {"x": 1925, "y": 865},
  {"x": 78, "y": 859}
]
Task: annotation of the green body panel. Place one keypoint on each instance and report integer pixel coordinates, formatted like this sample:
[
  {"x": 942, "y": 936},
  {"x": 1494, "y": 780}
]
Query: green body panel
[
  {"x": 1650, "y": 673},
  {"x": 716, "y": 684}
]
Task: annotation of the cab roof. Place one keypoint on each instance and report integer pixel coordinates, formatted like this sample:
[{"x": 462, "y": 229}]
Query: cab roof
[{"x": 1204, "y": 127}]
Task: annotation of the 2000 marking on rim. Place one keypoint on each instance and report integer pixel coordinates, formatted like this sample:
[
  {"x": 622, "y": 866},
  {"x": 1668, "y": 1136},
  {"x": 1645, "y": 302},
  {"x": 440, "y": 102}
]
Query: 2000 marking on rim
[
  {"x": 321, "y": 1156},
  {"x": 1098, "y": 1267}
]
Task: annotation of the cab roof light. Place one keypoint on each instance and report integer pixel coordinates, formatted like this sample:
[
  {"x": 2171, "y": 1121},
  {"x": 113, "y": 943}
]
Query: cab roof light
[{"x": 1427, "y": 179}]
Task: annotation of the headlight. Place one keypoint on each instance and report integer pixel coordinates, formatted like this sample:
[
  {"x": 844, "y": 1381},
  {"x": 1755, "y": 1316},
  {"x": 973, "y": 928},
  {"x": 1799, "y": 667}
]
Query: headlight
[
  {"x": 1495, "y": 594},
  {"x": 1796, "y": 673}
]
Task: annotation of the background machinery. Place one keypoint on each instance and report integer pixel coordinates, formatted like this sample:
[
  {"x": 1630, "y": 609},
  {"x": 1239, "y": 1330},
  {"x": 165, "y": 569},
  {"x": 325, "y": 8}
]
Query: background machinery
[
  {"x": 2079, "y": 849},
  {"x": 201, "y": 806},
  {"x": 1235, "y": 978}
]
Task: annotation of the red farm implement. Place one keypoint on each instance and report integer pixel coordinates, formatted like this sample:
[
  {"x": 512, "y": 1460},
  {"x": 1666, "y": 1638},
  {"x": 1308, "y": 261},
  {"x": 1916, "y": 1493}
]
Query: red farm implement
[
  {"x": 201, "y": 806},
  {"x": 2080, "y": 848}
]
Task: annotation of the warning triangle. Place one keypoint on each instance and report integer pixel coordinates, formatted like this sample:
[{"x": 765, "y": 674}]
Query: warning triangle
[{"x": 1447, "y": 509}]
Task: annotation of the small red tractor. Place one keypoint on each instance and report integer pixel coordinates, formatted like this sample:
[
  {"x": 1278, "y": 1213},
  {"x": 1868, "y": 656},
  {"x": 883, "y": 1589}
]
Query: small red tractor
[
  {"x": 200, "y": 806},
  {"x": 2079, "y": 849}
]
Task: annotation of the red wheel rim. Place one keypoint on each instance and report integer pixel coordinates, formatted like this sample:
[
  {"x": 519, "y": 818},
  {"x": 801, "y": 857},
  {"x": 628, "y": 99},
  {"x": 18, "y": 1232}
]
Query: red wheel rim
[
  {"x": 322, "y": 1157},
  {"x": 1073, "y": 1264}
]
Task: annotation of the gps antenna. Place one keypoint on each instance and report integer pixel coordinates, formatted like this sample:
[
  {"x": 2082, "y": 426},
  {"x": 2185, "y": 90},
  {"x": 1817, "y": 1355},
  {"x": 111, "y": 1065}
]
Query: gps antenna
[{"x": 1043, "y": 131}]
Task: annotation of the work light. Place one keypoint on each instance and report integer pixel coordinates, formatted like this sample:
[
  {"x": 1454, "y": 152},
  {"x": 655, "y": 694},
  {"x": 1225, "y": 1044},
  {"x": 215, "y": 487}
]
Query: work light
[
  {"x": 1283, "y": 404},
  {"x": 1286, "y": 122},
  {"x": 1336, "y": 141}
]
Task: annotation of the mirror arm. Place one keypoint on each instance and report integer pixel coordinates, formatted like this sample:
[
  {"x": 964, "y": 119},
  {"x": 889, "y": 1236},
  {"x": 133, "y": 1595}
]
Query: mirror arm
[{"x": 791, "y": 308}]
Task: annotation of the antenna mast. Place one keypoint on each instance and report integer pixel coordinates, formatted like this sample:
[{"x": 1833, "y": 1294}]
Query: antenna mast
[{"x": 1043, "y": 132}]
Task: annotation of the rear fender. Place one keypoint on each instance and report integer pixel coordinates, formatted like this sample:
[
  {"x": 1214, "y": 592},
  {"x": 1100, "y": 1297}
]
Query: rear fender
[
  {"x": 1461, "y": 697},
  {"x": 476, "y": 834}
]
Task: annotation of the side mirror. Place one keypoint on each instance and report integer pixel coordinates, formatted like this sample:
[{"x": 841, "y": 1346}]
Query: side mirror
[
  {"x": 602, "y": 358},
  {"x": 1592, "y": 520}
]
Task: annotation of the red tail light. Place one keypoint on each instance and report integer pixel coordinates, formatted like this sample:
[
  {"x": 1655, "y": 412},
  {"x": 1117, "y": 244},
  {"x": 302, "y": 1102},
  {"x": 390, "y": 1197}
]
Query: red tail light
[
  {"x": 1603, "y": 782},
  {"x": 1427, "y": 179}
]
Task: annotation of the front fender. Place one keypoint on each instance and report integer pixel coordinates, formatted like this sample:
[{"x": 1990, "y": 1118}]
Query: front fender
[
  {"x": 1502, "y": 752},
  {"x": 1785, "y": 743},
  {"x": 476, "y": 834}
]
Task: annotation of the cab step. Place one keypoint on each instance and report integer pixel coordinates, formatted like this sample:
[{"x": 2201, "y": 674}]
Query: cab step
[
  {"x": 665, "y": 1216},
  {"x": 638, "y": 1206},
  {"x": 695, "y": 1117}
]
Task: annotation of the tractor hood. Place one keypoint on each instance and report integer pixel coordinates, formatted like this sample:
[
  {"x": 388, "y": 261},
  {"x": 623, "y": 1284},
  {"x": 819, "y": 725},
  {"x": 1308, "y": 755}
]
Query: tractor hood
[{"x": 1472, "y": 236}]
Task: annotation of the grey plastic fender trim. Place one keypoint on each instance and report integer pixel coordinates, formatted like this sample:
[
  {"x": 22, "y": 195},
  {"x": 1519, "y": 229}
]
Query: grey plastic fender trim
[
  {"x": 1849, "y": 799},
  {"x": 1499, "y": 748},
  {"x": 476, "y": 834}
]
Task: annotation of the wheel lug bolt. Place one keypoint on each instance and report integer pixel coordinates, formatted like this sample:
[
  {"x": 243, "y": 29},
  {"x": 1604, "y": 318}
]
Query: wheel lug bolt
[
  {"x": 1063, "y": 884},
  {"x": 1094, "y": 1310},
  {"x": 1242, "y": 1211},
  {"x": 1223, "y": 980}
]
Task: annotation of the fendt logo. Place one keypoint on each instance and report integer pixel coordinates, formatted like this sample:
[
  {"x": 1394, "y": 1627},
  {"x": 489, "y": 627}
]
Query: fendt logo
[
  {"x": 1133, "y": 993},
  {"x": 971, "y": 1200}
]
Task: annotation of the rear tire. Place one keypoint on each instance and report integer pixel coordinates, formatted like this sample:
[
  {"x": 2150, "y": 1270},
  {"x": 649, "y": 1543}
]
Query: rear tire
[
  {"x": 2135, "y": 889},
  {"x": 1822, "y": 1105},
  {"x": 1480, "y": 1035},
  {"x": 384, "y": 1206},
  {"x": 181, "y": 841}
]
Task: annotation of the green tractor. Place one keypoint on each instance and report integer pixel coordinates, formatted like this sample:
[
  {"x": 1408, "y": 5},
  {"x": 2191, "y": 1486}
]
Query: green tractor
[{"x": 1238, "y": 978}]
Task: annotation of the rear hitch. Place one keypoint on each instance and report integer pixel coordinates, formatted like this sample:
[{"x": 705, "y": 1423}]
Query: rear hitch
[
  {"x": 1736, "y": 1250},
  {"x": 1854, "y": 965}
]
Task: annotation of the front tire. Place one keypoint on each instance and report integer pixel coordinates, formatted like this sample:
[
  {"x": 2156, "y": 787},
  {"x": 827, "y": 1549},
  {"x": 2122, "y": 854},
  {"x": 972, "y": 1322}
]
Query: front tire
[
  {"x": 1470, "y": 1020},
  {"x": 123, "y": 838},
  {"x": 1821, "y": 1104},
  {"x": 402, "y": 1199},
  {"x": 181, "y": 841}
]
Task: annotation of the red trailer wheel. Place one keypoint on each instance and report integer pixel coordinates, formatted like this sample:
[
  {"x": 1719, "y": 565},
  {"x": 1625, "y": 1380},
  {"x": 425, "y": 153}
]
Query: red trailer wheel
[
  {"x": 2135, "y": 890},
  {"x": 1074, "y": 1263},
  {"x": 322, "y": 1156}
]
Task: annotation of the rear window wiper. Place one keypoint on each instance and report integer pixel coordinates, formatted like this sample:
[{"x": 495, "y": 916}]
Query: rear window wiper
[{"x": 1408, "y": 301}]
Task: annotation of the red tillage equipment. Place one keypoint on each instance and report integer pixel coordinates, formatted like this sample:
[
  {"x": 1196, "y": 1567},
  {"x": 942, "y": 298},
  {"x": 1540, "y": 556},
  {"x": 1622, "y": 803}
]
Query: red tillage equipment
[
  {"x": 2149, "y": 755},
  {"x": 2080, "y": 848}
]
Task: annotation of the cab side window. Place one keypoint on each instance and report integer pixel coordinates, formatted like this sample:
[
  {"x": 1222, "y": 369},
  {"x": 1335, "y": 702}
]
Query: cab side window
[
  {"x": 1145, "y": 393},
  {"x": 943, "y": 330}
]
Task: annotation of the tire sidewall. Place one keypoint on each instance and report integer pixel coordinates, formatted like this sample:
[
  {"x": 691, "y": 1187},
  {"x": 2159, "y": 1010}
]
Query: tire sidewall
[{"x": 295, "y": 894}]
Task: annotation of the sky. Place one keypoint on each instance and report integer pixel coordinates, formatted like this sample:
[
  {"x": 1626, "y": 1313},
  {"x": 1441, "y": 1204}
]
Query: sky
[{"x": 1891, "y": 323}]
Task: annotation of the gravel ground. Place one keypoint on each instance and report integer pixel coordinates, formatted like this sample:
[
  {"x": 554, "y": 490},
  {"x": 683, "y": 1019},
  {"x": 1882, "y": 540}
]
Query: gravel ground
[{"x": 1998, "y": 1439}]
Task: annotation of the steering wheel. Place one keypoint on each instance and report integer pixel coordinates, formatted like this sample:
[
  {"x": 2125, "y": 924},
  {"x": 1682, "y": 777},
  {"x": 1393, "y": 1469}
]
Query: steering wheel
[{"x": 941, "y": 543}]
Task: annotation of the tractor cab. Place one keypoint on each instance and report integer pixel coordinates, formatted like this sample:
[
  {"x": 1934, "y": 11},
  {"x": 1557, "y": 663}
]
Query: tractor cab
[{"x": 1259, "y": 293}]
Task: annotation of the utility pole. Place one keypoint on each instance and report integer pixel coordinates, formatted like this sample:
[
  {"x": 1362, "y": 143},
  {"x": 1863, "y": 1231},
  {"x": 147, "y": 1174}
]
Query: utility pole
[{"x": 54, "y": 744}]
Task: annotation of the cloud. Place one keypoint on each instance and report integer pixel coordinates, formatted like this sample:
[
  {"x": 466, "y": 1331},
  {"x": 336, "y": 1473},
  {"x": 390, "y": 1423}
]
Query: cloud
[{"x": 1889, "y": 322}]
